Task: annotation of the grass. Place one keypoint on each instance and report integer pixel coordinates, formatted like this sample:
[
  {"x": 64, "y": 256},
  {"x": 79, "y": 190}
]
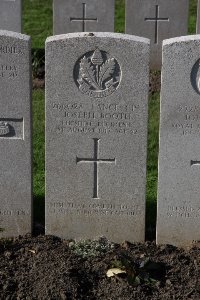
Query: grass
[
  {"x": 38, "y": 24},
  {"x": 38, "y": 19}
]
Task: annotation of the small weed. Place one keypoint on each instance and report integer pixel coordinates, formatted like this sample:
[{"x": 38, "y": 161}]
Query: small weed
[{"x": 88, "y": 248}]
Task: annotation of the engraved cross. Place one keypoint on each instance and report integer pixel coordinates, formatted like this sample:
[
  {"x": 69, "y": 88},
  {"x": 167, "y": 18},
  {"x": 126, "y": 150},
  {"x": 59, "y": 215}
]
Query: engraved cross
[
  {"x": 195, "y": 163},
  {"x": 96, "y": 161},
  {"x": 156, "y": 19},
  {"x": 84, "y": 18}
]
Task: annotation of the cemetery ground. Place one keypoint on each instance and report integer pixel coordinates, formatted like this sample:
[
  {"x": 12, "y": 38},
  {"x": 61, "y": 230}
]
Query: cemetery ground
[{"x": 46, "y": 267}]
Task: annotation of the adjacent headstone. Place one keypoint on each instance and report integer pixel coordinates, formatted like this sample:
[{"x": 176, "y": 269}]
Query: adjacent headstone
[
  {"x": 179, "y": 159},
  {"x": 11, "y": 15},
  {"x": 96, "y": 134},
  {"x": 82, "y": 16},
  {"x": 15, "y": 134},
  {"x": 157, "y": 20}
]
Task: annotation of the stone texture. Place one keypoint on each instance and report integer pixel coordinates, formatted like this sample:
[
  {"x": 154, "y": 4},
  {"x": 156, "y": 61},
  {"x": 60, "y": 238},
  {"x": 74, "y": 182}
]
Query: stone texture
[
  {"x": 179, "y": 167},
  {"x": 173, "y": 21},
  {"x": 11, "y": 15},
  {"x": 68, "y": 16},
  {"x": 15, "y": 134},
  {"x": 96, "y": 132}
]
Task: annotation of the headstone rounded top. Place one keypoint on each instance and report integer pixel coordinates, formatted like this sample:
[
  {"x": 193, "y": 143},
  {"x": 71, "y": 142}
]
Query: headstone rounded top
[
  {"x": 14, "y": 35},
  {"x": 187, "y": 38},
  {"x": 98, "y": 35}
]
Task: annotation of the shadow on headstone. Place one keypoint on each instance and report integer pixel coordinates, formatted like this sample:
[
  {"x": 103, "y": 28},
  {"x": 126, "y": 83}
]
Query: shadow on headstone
[
  {"x": 38, "y": 215},
  {"x": 151, "y": 213}
]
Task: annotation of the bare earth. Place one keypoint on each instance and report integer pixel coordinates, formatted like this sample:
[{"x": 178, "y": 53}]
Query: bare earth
[{"x": 47, "y": 267}]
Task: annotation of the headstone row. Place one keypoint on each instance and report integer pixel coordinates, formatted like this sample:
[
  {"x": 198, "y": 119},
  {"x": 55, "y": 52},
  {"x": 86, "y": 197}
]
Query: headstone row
[
  {"x": 153, "y": 19},
  {"x": 96, "y": 137}
]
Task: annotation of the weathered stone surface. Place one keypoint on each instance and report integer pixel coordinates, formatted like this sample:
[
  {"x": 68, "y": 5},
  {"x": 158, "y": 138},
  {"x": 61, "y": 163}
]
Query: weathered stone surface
[
  {"x": 172, "y": 21},
  {"x": 15, "y": 134},
  {"x": 76, "y": 16},
  {"x": 96, "y": 132},
  {"x": 179, "y": 167},
  {"x": 11, "y": 15}
]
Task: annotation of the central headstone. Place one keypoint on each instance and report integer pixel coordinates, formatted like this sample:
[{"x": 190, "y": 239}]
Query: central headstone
[
  {"x": 11, "y": 15},
  {"x": 15, "y": 135},
  {"x": 83, "y": 15},
  {"x": 96, "y": 134},
  {"x": 157, "y": 20}
]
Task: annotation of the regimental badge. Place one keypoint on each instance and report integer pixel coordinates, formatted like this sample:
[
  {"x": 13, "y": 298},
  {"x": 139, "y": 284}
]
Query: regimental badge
[
  {"x": 97, "y": 74},
  {"x": 4, "y": 128},
  {"x": 195, "y": 77}
]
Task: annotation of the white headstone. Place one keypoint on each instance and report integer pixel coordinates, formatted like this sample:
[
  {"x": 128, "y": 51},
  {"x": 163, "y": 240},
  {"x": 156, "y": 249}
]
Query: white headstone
[
  {"x": 179, "y": 158},
  {"x": 157, "y": 20},
  {"x": 11, "y": 15},
  {"x": 96, "y": 135},
  {"x": 15, "y": 134},
  {"x": 82, "y": 16}
]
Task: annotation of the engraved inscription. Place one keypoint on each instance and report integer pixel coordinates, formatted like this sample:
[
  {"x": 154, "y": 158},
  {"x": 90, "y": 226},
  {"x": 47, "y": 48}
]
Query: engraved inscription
[
  {"x": 188, "y": 120},
  {"x": 95, "y": 160},
  {"x": 97, "y": 118},
  {"x": 8, "y": 71},
  {"x": 185, "y": 212},
  {"x": 119, "y": 210},
  {"x": 8, "y": 212},
  {"x": 6, "y": 49},
  {"x": 156, "y": 19},
  {"x": 84, "y": 18},
  {"x": 11, "y": 128},
  {"x": 97, "y": 74}
]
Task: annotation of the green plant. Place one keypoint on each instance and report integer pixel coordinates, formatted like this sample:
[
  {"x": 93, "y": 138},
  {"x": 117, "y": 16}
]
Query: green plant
[
  {"x": 38, "y": 61},
  {"x": 88, "y": 248}
]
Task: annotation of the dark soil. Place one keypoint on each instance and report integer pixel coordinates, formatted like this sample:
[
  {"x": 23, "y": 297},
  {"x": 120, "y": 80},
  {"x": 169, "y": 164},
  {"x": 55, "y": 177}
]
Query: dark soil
[
  {"x": 47, "y": 267},
  {"x": 154, "y": 81}
]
